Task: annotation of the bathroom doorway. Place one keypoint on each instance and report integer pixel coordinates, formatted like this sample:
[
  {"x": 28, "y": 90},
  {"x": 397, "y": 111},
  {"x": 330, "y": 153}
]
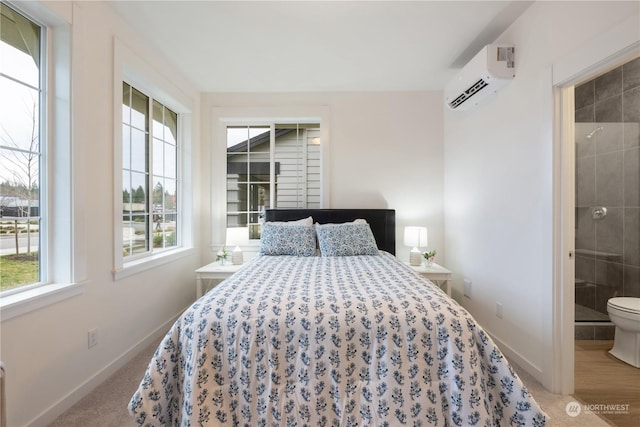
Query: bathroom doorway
[
  {"x": 607, "y": 195},
  {"x": 604, "y": 53}
]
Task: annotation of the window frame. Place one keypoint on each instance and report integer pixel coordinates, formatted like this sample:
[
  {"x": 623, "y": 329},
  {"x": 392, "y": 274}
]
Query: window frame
[
  {"x": 265, "y": 115},
  {"x": 132, "y": 69},
  {"x": 61, "y": 263},
  {"x": 272, "y": 183},
  {"x": 43, "y": 142},
  {"x": 150, "y": 175}
]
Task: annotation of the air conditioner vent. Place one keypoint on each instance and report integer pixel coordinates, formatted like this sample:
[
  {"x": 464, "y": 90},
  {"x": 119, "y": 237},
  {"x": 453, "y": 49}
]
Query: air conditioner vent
[
  {"x": 464, "y": 96},
  {"x": 489, "y": 71}
]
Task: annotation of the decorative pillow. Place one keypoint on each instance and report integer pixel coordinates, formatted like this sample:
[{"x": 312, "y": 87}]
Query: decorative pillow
[
  {"x": 358, "y": 221},
  {"x": 346, "y": 239},
  {"x": 279, "y": 239},
  {"x": 303, "y": 221}
]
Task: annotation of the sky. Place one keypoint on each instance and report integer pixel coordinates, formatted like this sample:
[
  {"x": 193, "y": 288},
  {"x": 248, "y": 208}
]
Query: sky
[{"x": 17, "y": 101}]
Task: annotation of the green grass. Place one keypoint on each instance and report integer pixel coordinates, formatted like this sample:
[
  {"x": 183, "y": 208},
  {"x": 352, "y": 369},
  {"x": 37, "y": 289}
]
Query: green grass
[{"x": 16, "y": 270}]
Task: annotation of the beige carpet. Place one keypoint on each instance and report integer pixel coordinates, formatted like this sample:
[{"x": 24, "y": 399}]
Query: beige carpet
[
  {"x": 106, "y": 406},
  {"x": 555, "y": 405}
]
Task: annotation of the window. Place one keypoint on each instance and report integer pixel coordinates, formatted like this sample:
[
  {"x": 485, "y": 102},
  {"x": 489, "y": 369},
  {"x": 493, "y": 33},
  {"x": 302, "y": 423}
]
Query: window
[
  {"x": 22, "y": 168},
  {"x": 152, "y": 164},
  {"x": 150, "y": 222},
  {"x": 270, "y": 166}
]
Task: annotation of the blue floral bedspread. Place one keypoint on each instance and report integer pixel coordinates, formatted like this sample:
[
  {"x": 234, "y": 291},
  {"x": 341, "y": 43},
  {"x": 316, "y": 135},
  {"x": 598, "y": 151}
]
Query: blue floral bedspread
[{"x": 330, "y": 341}]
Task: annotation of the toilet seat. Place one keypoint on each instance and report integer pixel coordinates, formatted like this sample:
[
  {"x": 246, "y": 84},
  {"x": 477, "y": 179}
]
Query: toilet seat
[{"x": 629, "y": 305}]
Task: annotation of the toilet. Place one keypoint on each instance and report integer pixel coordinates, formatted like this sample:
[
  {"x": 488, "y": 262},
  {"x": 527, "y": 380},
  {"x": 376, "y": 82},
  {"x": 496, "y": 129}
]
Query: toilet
[{"x": 624, "y": 312}]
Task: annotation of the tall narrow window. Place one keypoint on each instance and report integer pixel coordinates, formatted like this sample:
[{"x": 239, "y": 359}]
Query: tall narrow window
[
  {"x": 165, "y": 179},
  {"x": 21, "y": 151},
  {"x": 275, "y": 165},
  {"x": 149, "y": 175},
  {"x": 248, "y": 176}
]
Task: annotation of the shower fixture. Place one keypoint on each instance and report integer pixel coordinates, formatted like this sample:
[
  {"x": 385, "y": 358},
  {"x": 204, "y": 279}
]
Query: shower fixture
[
  {"x": 593, "y": 132},
  {"x": 598, "y": 212}
]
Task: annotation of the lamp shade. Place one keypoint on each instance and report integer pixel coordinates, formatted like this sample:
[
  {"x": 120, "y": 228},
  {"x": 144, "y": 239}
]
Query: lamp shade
[
  {"x": 416, "y": 237},
  {"x": 237, "y": 236}
]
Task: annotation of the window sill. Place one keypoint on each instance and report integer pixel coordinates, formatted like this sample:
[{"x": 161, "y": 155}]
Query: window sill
[
  {"x": 24, "y": 302},
  {"x": 140, "y": 265}
]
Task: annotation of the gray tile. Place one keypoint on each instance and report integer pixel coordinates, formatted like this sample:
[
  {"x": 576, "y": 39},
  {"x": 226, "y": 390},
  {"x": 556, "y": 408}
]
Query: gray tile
[
  {"x": 585, "y": 295},
  {"x": 609, "y": 279},
  {"x": 632, "y": 177},
  {"x": 585, "y": 114},
  {"x": 585, "y": 237},
  {"x": 585, "y": 181},
  {"x": 609, "y": 179},
  {"x": 631, "y": 240},
  {"x": 630, "y": 105},
  {"x": 631, "y": 74},
  {"x": 604, "y": 332},
  {"x": 609, "y": 110},
  {"x": 585, "y": 148},
  {"x": 631, "y": 279},
  {"x": 631, "y": 134},
  {"x": 603, "y": 295},
  {"x": 609, "y": 137},
  {"x": 609, "y": 233},
  {"x": 584, "y": 332},
  {"x": 585, "y": 271},
  {"x": 584, "y": 94},
  {"x": 585, "y": 143},
  {"x": 587, "y": 314},
  {"x": 608, "y": 85}
]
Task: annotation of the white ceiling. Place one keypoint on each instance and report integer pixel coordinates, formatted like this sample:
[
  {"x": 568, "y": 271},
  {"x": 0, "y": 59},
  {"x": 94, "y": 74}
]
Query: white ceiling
[{"x": 311, "y": 46}]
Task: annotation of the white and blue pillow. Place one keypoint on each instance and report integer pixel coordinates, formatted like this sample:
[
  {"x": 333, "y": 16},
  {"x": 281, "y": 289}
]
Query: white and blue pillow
[
  {"x": 348, "y": 239},
  {"x": 304, "y": 221},
  {"x": 287, "y": 239}
]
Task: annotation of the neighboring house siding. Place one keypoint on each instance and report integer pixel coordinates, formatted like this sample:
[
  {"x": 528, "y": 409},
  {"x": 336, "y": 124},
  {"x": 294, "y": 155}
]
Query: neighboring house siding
[
  {"x": 298, "y": 184},
  {"x": 297, "y": 175}
]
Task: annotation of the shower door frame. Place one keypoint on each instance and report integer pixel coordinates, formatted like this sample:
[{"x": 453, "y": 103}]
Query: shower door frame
[{"x": 613, "y": 47}]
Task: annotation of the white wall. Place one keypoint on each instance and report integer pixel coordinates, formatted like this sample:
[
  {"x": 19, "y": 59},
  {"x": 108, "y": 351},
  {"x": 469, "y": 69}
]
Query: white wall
[
  {"x": 385, "y": 151},
  {"x": 498, "y": 180},
  {"x": 45, "y": 351}
]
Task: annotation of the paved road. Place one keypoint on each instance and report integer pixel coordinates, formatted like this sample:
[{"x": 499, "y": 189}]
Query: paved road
[{"x": 8, "y": 243}]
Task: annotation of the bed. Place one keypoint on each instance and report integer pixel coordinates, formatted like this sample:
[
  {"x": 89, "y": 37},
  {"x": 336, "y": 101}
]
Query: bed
[{"x": 329, "y": 338}]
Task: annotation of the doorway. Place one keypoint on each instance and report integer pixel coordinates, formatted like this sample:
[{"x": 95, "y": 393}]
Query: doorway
[
  {"x": 607, "y": 195},
  {"x": 590, "y": 61}
]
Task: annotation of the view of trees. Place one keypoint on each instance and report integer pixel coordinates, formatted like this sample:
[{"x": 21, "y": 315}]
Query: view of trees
[
  {"x": 161, "y": 197},
  {"x": 19, "y": 179},
  {"x": 20, "y": 154}
]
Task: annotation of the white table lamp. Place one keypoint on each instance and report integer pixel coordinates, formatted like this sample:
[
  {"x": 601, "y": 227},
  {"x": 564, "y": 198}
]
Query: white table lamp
[
  {"x": 415, "y": 237},
  {"x": 237, "y": 236}
]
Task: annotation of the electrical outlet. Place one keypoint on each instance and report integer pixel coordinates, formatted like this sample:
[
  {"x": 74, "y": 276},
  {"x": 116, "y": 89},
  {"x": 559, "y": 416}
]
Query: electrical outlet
[
  {"x": 467, "y": 288},
  {"x": 499, "y": 309},
  {"x": 92, "y": 337}
]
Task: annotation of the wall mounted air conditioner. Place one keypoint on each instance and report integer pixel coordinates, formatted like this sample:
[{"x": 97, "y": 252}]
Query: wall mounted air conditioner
[{"x": 489, "y": 71}]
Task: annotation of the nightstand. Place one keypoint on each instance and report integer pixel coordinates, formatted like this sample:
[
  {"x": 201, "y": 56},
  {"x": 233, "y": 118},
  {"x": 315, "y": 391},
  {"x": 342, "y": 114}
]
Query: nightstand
[
  {"x": 436, "y": 273},
  {"x": 211, "y": 272}
]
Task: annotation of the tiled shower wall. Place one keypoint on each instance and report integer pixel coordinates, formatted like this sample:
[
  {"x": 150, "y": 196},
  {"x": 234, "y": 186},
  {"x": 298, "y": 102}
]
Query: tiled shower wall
[{"x": 608, "y": 174}]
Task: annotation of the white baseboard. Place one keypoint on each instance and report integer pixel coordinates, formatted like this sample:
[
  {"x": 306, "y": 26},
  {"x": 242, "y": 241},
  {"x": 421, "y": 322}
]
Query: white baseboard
[
  {"x": 66, "y": 402},
  {"x": 517, "y": 358}
]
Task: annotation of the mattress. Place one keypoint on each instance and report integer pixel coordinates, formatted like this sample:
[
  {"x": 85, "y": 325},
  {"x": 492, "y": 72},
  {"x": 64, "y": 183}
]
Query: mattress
[{"x": 329, "y": 341}]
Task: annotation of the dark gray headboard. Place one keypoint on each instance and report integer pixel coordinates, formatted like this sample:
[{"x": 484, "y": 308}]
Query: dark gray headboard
[{"x": 382, "y": 221}]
